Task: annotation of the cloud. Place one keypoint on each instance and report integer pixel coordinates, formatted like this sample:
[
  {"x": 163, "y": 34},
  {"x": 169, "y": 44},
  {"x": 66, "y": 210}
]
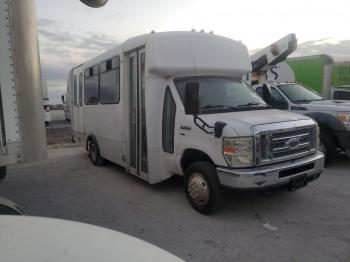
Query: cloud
[
  {"x": 327, "y": 46},
  {"x": 62, "y": 48}
]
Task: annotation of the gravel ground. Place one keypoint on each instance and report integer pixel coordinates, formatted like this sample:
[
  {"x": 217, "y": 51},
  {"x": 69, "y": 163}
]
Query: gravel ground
[
  {"x": 58, "y": 133},
  {"x": 311, "y": 224}
]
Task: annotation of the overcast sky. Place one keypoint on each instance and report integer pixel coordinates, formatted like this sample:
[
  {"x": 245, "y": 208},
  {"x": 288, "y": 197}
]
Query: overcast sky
[{"x": 70, "y": 32}]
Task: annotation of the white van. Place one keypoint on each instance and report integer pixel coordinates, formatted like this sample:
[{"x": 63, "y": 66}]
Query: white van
[
  {"x": 173, "y": 103},
  {"x": 46, "y": 102}
]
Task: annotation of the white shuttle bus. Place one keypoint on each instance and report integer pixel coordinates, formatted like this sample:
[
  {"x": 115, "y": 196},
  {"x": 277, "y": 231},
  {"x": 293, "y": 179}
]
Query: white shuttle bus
[{"x": 173, "y": 103}]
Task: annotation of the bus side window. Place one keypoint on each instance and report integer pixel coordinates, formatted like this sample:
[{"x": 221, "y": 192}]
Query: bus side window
[
  {"x": 91, "y": 85},
  {"x": 110, "y": 81},
  {"x": 168, "y": 124},
  {"x": 341, "y": 95},
  {"x": 81, "y": 89},
  {"x": 75, "y": 90}
]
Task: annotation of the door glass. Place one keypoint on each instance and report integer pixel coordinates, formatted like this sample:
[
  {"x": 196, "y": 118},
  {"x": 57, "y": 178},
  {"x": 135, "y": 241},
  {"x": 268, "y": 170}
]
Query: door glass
[
  {"x": 81, "y": 89},
  {"x": 341, "y": 95},
  {"x": 168, "y": 122},
  {"x": 75, "y": 95},
  {"x": 133, "y": 111},
  {"x": 144, "y": 167},
  {"x": 277, "y": 100}
]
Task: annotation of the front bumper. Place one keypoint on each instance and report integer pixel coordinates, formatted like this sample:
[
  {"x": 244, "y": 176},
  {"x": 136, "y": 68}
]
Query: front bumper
[
  {"x": 344, "y": 141},
  {"x": 276, "y": 175}
]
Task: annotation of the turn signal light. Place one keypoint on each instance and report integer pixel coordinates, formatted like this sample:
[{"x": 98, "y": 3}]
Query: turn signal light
[
  {"x": 343, "y": 118},
  {"x": 229, "y": 149}
]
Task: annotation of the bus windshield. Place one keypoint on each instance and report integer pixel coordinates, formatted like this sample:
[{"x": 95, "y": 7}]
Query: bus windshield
[
  {"x": 220, "y": 94},
  {"x": 298, "y": 93}
]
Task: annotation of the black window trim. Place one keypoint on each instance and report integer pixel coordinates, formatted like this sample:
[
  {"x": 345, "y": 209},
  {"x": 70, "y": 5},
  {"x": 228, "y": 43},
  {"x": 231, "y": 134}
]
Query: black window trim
[
  {"x": 173, "y": 120},
  {"x": 99, "y": 81}
]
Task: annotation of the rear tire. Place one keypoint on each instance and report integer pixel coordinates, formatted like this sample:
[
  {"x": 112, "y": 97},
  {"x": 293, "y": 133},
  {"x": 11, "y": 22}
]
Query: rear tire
[
  {"x": 327, "y": 146},
  {"x": 94, "y": 153},
  {"x": 3, "y": 171},
  {"x": 202, "y": 186}
]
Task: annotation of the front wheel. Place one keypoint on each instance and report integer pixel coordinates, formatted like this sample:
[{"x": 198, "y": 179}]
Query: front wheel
[
  {"x": 3, "y": 170},
  {"x": 203, "y": 189},
  {"x": 327, "y": 147}
]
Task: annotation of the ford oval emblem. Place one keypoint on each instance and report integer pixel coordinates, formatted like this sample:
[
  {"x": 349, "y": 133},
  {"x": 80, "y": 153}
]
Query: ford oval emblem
[{"x": 293, "y": 143}]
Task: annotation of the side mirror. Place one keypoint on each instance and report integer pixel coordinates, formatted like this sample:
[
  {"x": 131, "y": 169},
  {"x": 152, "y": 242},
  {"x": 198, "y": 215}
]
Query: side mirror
[
  {"x": 266, "y": 94},
  {"x": 192, "y": 98},
  {"x": 218, "y": 128},
  {"x": 94, "y": 3}
]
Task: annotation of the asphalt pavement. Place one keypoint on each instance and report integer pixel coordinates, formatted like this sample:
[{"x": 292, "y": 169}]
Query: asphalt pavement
[{"x": 311, "y": 224}]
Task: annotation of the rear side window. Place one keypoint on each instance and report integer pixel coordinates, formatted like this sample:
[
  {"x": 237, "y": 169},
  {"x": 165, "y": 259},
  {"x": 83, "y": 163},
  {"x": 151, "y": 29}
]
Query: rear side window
[
  {"x": 75, "y": 94},
  {"x": 91, "y": 85},
  {"x": 110, "y": 81},
  {"x": 341, "y": 95},
  {"x": 81, "y": 89},
  {"x": 168, "y": 124}
]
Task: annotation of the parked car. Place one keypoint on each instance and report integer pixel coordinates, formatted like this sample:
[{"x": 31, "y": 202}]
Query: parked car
[{"x": 332, "y": 116}]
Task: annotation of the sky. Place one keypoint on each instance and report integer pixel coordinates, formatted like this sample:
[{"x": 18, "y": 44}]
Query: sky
[{"x": 70, "y": 32}]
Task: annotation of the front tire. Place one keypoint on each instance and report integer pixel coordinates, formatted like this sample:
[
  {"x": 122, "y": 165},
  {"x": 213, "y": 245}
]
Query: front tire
[
  {"x": 3, "y": 171},
  {"x": 94, "y": 153},
  {"x": 203, "y": 189},
  {"x": 327, "y": 147}
]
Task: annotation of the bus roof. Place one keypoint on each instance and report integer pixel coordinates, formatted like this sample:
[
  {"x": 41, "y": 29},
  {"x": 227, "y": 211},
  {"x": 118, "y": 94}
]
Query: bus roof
[{"x": 186, "y": 53}]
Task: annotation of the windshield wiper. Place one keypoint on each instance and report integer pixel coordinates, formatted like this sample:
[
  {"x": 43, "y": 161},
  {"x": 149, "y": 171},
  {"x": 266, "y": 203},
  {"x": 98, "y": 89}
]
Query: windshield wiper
[
  {"x": 219, "y": 106},
  {"x": 303, "y": 101},
  {"x": 254, "y": 104},
  {"x": 320, "y": 99}
]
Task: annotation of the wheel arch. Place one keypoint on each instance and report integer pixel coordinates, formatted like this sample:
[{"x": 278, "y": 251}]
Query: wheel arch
[
  {"x": 191, "y": 155},
  {"x": 328, "y": 124}
]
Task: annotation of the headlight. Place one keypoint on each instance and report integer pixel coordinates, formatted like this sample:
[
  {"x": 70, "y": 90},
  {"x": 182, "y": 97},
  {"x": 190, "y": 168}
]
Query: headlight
[
  {"x": 345, "y": 118},
  {"x": 238, "y": 152}
]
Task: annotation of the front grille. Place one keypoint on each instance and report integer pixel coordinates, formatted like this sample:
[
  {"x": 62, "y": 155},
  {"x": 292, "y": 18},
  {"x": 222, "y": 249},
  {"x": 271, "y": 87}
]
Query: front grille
[{"x": 279, "y": 145}]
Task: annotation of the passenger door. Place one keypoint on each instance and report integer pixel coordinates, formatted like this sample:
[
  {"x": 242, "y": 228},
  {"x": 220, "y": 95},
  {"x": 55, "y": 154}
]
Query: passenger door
[
  {"x": 78, "y": 84},
  {"x": 137, "y": 142}
]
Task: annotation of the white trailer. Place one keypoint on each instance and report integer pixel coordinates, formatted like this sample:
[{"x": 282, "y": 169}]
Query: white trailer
[
  {"x": 46, "y": 102},
  {"x": 67, "y": 105},
  {"x": 22, "y": 132},
  {"x": 173, "y": 103}
]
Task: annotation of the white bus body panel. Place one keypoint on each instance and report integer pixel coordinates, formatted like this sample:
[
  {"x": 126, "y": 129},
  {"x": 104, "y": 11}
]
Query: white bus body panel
[{"x": 168, "y": 55}]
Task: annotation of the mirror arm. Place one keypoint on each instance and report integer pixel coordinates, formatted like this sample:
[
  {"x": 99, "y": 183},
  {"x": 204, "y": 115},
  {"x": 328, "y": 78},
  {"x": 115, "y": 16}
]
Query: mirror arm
[{"x": 200, "y": 123}]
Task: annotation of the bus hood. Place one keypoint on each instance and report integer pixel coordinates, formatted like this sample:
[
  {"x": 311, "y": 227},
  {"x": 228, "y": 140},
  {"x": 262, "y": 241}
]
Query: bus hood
[
  {"x": 327, "y": 105},
  {"x": 241, "y": 123}
]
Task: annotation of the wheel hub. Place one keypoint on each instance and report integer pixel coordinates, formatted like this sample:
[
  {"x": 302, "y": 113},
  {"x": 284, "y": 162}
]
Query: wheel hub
[{"x": 198, "y": 189}]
